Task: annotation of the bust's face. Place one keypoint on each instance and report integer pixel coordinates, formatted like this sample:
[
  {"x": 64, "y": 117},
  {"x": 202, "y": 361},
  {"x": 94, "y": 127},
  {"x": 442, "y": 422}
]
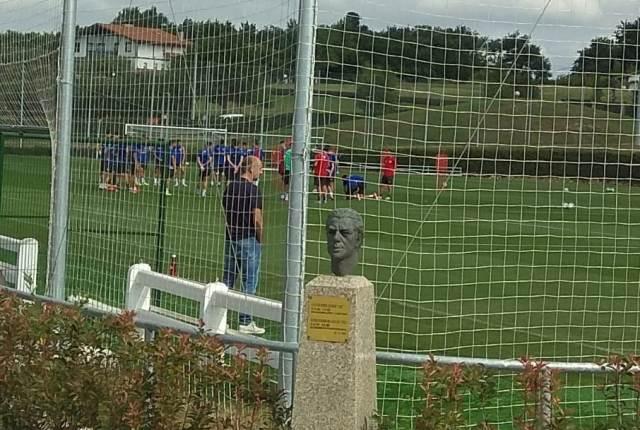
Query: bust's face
[{"x": 342, "y": 238}]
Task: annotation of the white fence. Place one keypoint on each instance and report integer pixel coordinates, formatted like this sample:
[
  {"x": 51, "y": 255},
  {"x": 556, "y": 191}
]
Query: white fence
[
  {"x": 23, "y": 274},
  {"x": 215, "y": 300}
]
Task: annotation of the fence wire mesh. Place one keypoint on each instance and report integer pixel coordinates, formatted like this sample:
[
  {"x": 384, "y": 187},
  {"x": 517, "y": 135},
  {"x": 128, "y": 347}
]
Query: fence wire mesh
[{"x": 491, "y": 151}]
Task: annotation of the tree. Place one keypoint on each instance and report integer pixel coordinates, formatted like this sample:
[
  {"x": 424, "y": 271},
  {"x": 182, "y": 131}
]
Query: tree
[
  {"x": 516, "y": 52},
  {"x": 342, "y": 47},
  {"x": 352, "y": 22},
  {"x": 518, "y": 63},
  {"x": 602, "y": 56},
  {"x": 426, "y": 52},
  {"x": 627, "y": 39},
  {"x": 148, "y": 18}
]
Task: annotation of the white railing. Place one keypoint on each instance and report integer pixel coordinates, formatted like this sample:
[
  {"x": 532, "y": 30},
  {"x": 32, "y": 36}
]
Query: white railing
[
  {"x": 214, "y": 299},
  {"x": 23, "y": 275}
]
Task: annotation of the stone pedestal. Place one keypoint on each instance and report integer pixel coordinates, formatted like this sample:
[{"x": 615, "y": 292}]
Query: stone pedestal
[{"x": 335, "y": 385}]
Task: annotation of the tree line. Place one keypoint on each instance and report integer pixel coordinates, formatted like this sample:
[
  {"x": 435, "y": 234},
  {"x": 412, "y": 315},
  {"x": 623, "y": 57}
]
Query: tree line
[
  {"x": 609, "y": 61},
  {"x": 345, "y": 48},
  {"x": 229, "y": 65}
]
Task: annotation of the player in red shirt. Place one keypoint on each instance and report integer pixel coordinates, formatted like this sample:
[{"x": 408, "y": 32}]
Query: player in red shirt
[
  {"x": 388, "y": 165},
  {"x": 277, "y": 159},
  {"x": 322, "y": 171},
  {"x": 442, "y": 169}
]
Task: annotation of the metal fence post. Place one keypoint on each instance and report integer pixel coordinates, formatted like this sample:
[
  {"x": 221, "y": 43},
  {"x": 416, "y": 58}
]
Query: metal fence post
[
  {"x": 296, "y": 235},
  {"x": 545, "y": 408},
  {"x": 1, "y": 166},
  {"x": 61, "y": 177}
]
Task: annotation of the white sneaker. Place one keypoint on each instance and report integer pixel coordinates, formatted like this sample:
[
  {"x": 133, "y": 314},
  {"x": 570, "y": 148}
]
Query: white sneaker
[
  {"x": 167, "y": 193},
  {"x": 102, "y": 186},
  {"x": 184, "y": 183},
  {"x": 250, "y": 328}
]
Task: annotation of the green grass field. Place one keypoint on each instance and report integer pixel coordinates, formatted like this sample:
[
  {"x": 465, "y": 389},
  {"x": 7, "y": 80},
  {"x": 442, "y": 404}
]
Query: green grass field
[{"x": 492, "y": 267}]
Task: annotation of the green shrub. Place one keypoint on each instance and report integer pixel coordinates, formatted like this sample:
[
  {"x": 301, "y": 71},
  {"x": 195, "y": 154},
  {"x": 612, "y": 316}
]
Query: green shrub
[{"x": 62, "y": 370}]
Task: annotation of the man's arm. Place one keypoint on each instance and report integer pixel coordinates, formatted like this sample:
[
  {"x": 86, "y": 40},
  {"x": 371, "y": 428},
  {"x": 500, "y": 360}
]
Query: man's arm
[
  {"x": 228, "y": 158},
  {"x": 258, "y": 223}
]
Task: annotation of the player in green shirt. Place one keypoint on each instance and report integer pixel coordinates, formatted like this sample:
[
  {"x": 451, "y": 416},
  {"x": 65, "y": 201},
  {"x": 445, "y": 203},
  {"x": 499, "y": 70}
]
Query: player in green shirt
[{"x": 287, "y": 173}]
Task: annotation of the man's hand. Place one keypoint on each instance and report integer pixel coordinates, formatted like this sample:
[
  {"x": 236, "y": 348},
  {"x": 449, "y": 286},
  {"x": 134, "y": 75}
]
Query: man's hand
[{"x": 258, "y": 224}]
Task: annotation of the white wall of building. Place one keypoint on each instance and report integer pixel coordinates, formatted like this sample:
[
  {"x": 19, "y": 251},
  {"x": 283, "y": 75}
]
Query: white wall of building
[{"x": 142, "y": 55}]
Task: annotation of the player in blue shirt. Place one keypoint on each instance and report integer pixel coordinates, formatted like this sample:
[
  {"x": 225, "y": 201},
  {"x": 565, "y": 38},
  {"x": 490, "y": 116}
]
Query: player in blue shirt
[
  {"x": 159, "y": 161},
  {"x": 121, "y": 163},
  {"x": 140, "y": 159},
  {"x": 130, "y": 163},
  {"x": 173, "y": 161},
  {"x": 218, "y": 161},
  {"x": 354, "y": 187},
  {"x": 204, "y": 165},
  {"x": 179, "y": 167},
  {"x": 244, "y": 149},
  {"x": 257, "y": 151},
  {"x": 233, "y": 160},
  {"x": 163, "y": 165}
]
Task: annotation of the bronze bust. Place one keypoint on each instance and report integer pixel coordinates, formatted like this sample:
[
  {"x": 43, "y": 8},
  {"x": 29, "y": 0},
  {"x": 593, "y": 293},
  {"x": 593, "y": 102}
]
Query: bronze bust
[{"x": 345, "y": 231}]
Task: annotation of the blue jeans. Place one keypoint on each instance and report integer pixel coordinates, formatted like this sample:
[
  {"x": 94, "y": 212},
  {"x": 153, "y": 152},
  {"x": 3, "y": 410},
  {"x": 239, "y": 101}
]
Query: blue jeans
[{"x": 242, "y": 256}]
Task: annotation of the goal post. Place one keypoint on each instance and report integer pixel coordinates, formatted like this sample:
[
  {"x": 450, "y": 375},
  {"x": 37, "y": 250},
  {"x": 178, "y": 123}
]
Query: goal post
[{"x": 191, "y": 136}]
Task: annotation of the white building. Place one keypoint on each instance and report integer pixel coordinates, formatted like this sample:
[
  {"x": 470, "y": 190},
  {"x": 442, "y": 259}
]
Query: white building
[{"x": 148, "y": 48}]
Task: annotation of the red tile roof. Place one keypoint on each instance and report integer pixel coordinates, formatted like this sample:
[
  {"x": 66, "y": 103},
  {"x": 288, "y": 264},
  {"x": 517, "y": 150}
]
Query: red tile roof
[{"x": 153, "y": 36}]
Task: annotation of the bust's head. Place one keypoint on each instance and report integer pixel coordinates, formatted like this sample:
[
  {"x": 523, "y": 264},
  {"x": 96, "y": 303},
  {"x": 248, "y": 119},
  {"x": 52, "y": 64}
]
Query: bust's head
[{"x": 345, "y": 231}]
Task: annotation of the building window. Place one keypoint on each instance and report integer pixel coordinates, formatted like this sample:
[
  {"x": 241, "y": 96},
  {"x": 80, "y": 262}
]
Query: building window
[
  {"x": 100, "y": 47},
  {"x": 127, "y": 47},
  {"x": 77, "y": 46},
  {"x": 116, "y": 46}
]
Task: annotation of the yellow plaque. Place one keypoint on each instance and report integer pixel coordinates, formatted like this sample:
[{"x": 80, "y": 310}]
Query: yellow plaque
[{"x": 328, "y": 319}]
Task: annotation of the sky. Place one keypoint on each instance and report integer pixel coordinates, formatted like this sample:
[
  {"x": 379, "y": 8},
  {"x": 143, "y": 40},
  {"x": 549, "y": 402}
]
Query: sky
[{"x": 560, "y": 27}]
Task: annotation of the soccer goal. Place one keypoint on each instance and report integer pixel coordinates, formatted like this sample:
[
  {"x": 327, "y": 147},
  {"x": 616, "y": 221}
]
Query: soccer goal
[{"x": 191, "y": 137}]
